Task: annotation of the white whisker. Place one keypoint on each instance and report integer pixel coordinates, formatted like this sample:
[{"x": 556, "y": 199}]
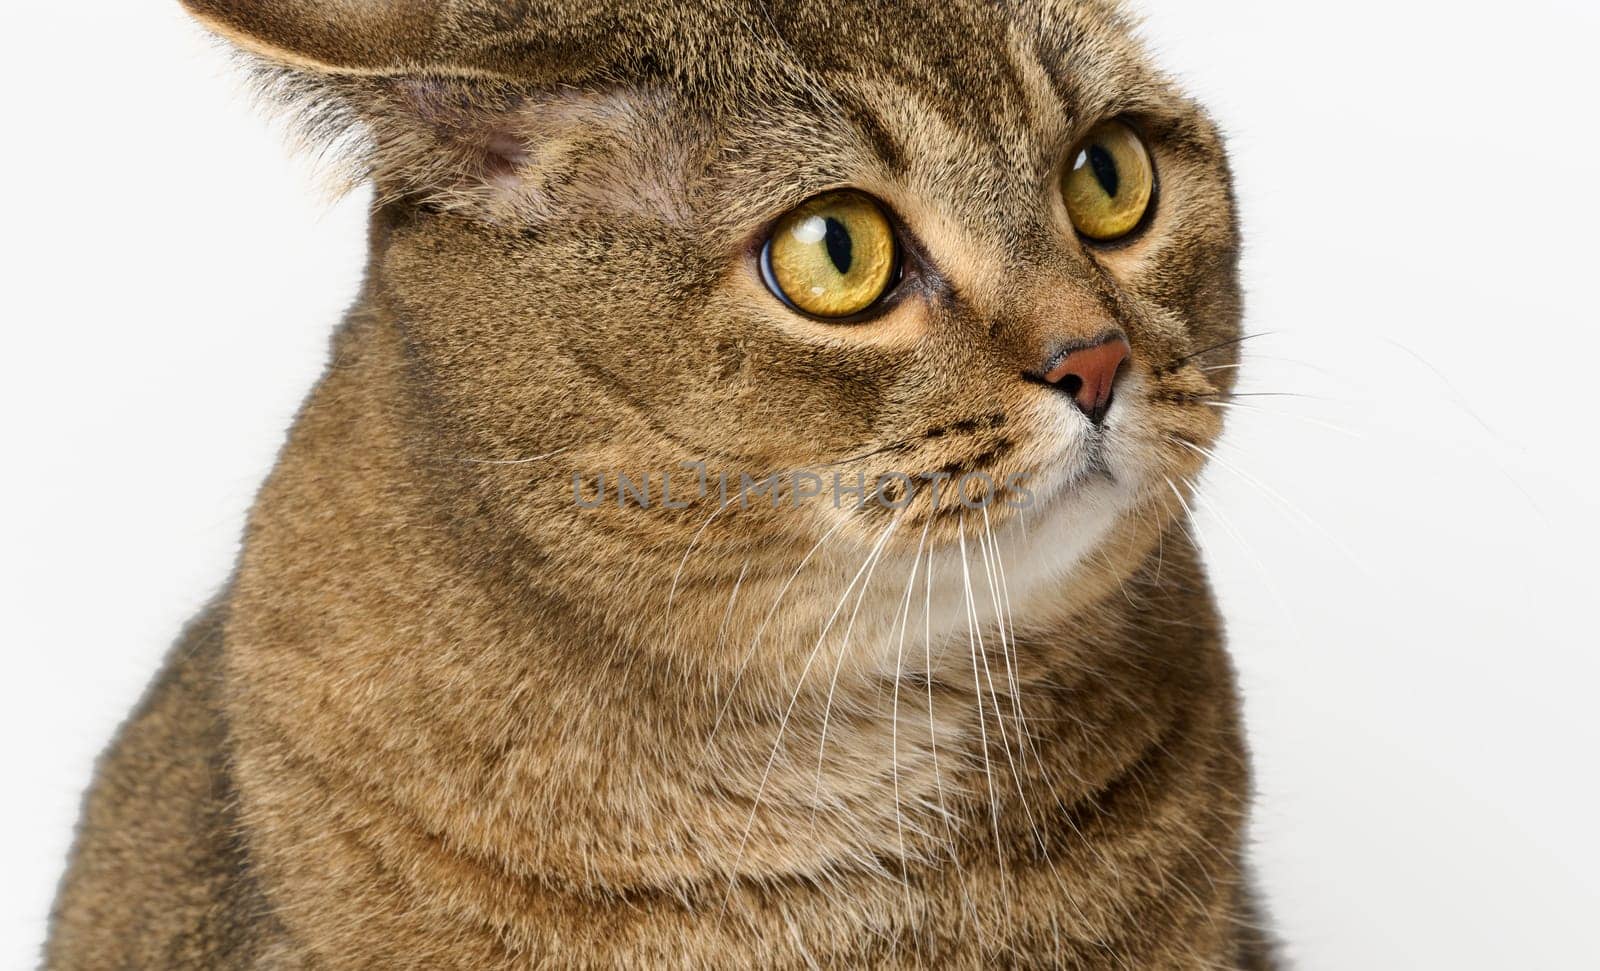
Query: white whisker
[
  {"x": 894, "y": 714},
  {"x": 844, "y": 650},
  {"x": 761, "y": 629},
  {"x": 783, "y": 723}
]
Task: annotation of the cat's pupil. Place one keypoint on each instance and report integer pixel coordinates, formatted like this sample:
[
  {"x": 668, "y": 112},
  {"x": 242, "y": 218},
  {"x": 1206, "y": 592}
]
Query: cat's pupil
[
  {"x": 837, "y": 239},
  {"x": 1105, "y": 170}
]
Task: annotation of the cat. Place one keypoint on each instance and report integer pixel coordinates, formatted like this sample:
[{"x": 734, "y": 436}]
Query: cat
[{"x": 601, "y": 610}]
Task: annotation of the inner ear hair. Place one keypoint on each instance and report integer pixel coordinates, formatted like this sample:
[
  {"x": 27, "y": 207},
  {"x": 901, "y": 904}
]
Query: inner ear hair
[{"x": 457, "y": 141}]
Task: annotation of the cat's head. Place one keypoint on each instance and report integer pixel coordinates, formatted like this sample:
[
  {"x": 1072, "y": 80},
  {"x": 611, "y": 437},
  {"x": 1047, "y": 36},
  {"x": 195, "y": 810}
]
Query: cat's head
[{"x": 897, "y": 243}]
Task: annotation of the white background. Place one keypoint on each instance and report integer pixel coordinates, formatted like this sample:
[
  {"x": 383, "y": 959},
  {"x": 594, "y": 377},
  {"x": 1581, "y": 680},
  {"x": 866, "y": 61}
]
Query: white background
[{"x": 1405, "y": 557}]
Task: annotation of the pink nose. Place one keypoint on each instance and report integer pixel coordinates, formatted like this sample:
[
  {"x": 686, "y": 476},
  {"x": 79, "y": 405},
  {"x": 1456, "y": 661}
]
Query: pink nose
[{"x": 1089, "y": 375}]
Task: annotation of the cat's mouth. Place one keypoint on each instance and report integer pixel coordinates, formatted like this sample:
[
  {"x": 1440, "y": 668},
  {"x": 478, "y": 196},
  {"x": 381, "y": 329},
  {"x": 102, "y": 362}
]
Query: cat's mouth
[
  {"x": 1093, "y": 459},
  {"x": 1088, "y": 456}
]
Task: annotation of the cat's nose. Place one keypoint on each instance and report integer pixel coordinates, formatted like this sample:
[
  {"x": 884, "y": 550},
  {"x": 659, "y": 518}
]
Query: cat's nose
[{"x": 1089, "y": 374}]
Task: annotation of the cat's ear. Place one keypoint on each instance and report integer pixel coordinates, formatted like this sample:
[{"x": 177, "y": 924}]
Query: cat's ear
[
  {"x": 329, "y": 36},
  {"x": 420, "y": 96}
]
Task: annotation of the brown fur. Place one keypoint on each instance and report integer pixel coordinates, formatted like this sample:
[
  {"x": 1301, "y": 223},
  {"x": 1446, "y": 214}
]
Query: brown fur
[{"x": 444, "y": 717}]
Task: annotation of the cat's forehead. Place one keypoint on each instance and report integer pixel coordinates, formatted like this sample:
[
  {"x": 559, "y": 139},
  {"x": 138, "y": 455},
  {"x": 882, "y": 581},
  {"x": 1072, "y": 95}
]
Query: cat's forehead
[
  {"x": 737, "y": 111},
  {"x": 972, "y": 99},
  {"x": 982, "y": 67},
  {"x": 966, "y": 56}
]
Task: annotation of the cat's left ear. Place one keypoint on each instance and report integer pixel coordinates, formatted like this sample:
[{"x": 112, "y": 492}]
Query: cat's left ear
[
  {"x": 329, "y": 36},
  {"x": 430, "y": 93}
]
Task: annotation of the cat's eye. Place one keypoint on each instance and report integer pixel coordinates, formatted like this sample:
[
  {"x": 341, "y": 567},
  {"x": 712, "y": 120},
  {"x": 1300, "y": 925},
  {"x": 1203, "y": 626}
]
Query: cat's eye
[
  {"x": 833, "y": 257},
  {"x": 1110, "y": 183}
]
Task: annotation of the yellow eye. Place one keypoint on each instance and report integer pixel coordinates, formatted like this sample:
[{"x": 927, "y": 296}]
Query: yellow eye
[
  {"x": 1110, "y": 184},
  {"x": 832, "y": 257}
]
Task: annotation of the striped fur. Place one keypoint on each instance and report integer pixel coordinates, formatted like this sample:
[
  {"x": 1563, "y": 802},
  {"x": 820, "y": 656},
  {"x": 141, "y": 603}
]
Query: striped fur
[{"x": 445, "y": 717}]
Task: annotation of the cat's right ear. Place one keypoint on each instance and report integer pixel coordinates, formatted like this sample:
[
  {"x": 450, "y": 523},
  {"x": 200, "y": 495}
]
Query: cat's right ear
[{"x": 420, "y": 96}]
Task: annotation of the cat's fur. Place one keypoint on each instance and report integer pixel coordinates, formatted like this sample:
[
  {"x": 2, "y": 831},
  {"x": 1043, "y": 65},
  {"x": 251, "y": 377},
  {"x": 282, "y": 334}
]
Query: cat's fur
[{"x": 445, "y": 717}]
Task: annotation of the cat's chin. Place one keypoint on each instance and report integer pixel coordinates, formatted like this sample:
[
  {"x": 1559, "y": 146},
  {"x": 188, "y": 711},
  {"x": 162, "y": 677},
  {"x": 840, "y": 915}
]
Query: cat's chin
[
  {"x": 1069, "y": 522},
  {"x": 1095, "y": 497},
  {"x": 1043, "y": 548}
]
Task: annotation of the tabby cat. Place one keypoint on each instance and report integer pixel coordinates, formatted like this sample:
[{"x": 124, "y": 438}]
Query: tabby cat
[{"x": 742, "y": 523}]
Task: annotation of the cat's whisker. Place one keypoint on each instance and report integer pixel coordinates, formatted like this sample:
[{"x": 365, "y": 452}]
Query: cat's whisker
[
  {"x": 1230, "y": 395},
  {"x": 1172, "y": 365},
  {"x": 1029, "y": 748},
  {"x": 1187, "y": 522},
  {"x": 672, "y": 592},
  {"x": 946, "y": 815},
  {"x": 1025, "y": 740},
  {"x": 977, "y": 692},
  {"x": 894, "y": 715},
  {"x": 1013, "y": 673},
  {"x": 1271, "y": 394},
  {"x": 1463, "y": 404},
  {"x": 988, "y": 547},
  {"x": 844, "y": 651},
  {"x": 1308, "y": 419},
  {"x": 733, "y": 599},
  {"x": 1251, "y": 358},
  {"x": 971, "y": 910},
  {"x": 761, "y": 629},
  {"x": 783, "y": 724},
  {"x": 1244, "y": 547},
  {"x": 1122, "y": 584},
  {"x": 1007, "y": 626},
  {"x": 1005, "y": 742},
  {"x": 933, "y": 733},
  {"x": 1276, "y": 497},
  {"x": 1456, "y": 397}
]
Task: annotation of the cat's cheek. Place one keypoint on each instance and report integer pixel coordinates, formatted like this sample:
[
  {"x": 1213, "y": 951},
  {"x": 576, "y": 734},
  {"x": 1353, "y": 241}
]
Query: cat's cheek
[{"x": 1184, "y": 261}]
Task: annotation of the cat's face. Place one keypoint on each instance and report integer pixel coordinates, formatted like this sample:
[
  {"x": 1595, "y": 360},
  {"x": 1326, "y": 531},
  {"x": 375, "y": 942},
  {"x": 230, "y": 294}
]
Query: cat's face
[{"x": 590, "y": 267}]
